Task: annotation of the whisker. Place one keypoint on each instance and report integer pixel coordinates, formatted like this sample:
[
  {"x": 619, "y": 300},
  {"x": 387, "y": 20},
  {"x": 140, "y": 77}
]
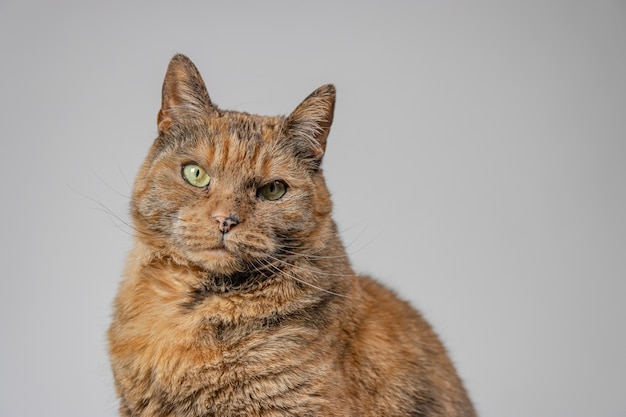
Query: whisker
[
  {"x": 303, "y": 282},
  {"x": 101, "y": 207},
  {"x": 310, "y": 270},
  {"x": 119, "y": 168},
  {"x": 349, "y": 245},
  {"x": 106, "y": 184},
  {"x": 311, "y": 256},
  {"x": 117, "y": 218},
  {"x": 111, "y": 215}
]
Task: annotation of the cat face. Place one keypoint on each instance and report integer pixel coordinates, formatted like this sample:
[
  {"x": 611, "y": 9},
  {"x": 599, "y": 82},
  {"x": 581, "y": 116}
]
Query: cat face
[{"x": 231, "y": 192}]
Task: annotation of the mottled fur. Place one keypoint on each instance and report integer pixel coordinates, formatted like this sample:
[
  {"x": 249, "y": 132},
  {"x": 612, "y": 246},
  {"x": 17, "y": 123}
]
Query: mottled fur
[{"x": 236, "y": 305}]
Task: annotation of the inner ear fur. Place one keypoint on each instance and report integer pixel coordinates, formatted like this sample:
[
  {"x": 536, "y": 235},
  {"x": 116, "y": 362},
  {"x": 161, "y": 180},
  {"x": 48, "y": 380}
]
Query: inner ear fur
[{"x": 309, "y": 124}]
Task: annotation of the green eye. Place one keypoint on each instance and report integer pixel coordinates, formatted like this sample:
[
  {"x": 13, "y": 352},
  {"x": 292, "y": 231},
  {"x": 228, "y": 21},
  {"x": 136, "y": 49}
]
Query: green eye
[
  {"x": 272, "y": 191},
  {"x": 195, "y": 175}
]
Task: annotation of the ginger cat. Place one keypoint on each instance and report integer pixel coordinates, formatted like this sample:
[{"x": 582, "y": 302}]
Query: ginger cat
[{"x": 239, "y": 299}]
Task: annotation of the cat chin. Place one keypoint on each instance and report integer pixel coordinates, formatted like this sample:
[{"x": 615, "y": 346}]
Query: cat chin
[{"x": 216, "y": 261}]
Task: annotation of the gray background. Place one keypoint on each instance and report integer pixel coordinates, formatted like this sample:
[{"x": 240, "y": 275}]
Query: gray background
[{"x": 477, "y": 163}]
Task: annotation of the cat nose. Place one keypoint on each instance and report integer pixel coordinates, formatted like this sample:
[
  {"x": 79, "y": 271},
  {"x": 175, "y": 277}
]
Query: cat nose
[{"x": 226, "y": 223}]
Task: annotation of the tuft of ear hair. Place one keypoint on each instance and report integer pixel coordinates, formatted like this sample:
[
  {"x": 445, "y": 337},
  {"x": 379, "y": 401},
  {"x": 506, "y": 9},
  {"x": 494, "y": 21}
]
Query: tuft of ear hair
[
  {"x": 309, "y": 124},
  {"x": 184, "y": 96}
]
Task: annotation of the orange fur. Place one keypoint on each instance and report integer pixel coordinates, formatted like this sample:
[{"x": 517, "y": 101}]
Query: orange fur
[{"x": 262, "y": 315}]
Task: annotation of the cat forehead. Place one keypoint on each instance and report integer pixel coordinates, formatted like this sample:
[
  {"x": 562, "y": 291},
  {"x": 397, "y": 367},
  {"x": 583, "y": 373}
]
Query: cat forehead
[
  {"x": 234, "y": 143},
  {"x": 226, "y": 128},
  {"x": 246, "y": 126}
]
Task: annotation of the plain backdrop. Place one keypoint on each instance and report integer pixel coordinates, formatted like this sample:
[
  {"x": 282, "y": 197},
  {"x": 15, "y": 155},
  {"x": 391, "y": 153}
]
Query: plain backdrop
[{"x": 477, "y": 163}]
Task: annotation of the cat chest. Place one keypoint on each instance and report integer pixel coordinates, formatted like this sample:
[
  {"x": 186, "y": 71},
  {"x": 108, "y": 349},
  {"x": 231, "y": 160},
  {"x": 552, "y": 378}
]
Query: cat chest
[{"x": 226, "y": 370}]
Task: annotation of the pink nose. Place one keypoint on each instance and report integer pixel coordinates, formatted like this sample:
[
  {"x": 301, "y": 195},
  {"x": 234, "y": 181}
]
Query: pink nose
[{"x": 226, "y": 223}]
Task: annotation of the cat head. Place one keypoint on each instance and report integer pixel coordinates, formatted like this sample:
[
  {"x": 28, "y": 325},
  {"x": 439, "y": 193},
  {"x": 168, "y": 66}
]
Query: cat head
[{"x": 229, "y": 192}]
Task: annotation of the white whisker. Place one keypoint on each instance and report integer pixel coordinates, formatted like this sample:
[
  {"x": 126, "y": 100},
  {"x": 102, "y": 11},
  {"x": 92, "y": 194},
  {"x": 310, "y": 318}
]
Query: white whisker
[{"x": 300, "y": 280}]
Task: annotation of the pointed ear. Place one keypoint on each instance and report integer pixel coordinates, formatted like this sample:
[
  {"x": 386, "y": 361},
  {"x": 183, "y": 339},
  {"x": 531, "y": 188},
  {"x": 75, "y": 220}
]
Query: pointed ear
[
  {"x": 184, "y": 96},
  {"x": 309, "y": 124}
]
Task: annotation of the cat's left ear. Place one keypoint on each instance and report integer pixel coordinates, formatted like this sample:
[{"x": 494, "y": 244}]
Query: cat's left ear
[
  {"x": 184, "y": 97},
  {"x": 309, "y": 124}
]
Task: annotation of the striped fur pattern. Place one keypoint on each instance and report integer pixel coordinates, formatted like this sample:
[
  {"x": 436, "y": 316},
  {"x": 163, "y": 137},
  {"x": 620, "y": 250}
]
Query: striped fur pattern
[{"x": 237, "y": 303}]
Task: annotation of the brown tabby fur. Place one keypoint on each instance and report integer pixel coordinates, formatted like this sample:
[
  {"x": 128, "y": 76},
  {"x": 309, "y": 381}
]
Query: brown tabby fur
[{"x": 262, "y": 316}]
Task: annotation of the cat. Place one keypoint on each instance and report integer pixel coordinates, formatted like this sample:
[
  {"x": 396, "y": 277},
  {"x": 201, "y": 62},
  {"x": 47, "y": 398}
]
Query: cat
[{"x": 239, "y": 299}]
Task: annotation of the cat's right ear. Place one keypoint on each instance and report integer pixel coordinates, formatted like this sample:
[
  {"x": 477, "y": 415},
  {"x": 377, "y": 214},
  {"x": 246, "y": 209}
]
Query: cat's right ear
[{"x": 184, "y": 97}]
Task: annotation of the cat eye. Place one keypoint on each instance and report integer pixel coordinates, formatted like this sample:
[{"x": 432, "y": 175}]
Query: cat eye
[
  {"x": 272, "y": 191},
  {"x": 196, "y": 175}
]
